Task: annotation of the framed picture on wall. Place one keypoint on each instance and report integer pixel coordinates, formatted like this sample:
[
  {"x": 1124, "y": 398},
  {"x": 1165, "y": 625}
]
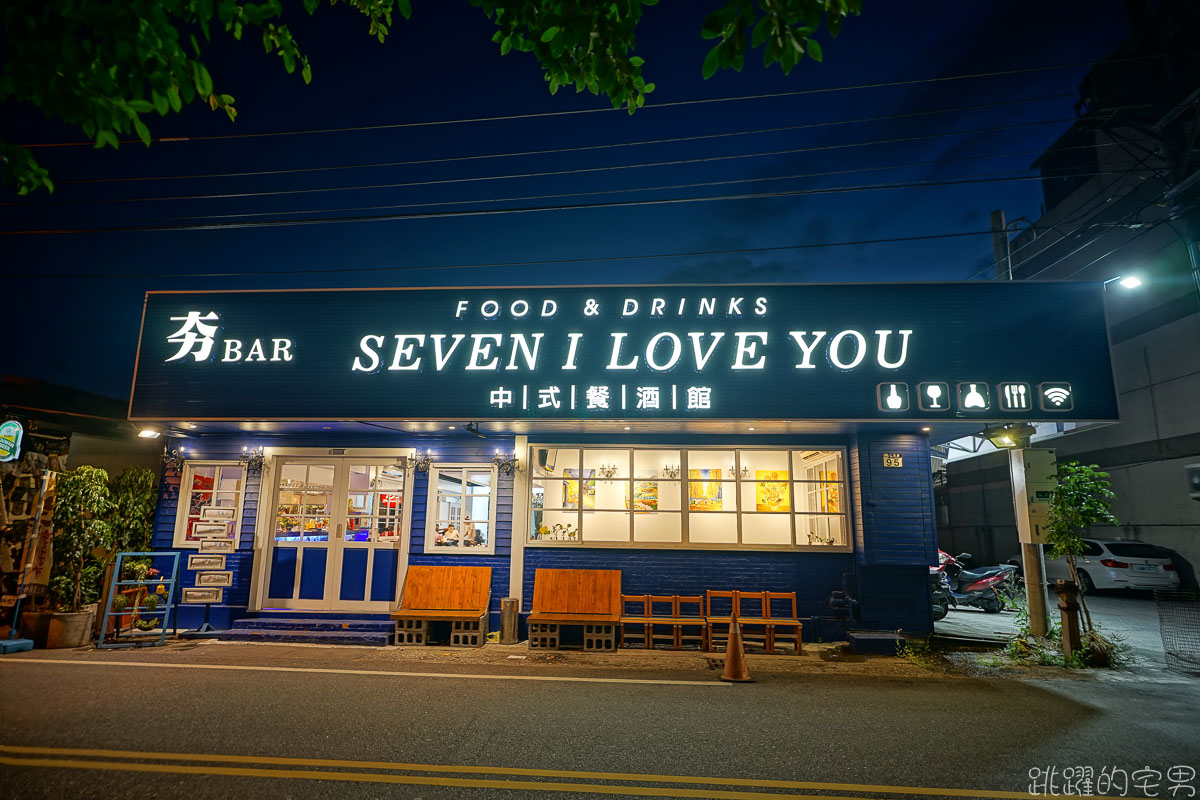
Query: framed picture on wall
[
  {"x": 216, "y": 546},
  {"x": 214, "y": 578},
  {"x": 197, "y": 561},
  {"x": 210, "y": 529},
  {"x": 201, "y": 595},
  {"x": 217, "y": 513}
]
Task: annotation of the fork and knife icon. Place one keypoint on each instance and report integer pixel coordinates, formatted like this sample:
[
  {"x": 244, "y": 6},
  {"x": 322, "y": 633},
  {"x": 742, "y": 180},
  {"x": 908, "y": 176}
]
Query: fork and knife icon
[{"x": 1016, "y": 396}]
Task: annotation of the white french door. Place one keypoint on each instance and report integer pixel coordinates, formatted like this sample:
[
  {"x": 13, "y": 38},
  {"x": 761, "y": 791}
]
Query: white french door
[{"x": 337, "y": 528}]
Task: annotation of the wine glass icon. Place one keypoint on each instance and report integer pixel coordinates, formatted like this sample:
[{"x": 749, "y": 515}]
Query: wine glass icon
[{"x": 934, "y": 391}]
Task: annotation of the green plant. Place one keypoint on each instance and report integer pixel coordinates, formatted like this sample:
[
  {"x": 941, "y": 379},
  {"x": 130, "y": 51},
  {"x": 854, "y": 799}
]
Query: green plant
[
  {"x": 82, "y": 506},
  {"x": 1081, "y": 499},
  {"x": 134, "y": 498},
  {"x": 918, "y": 652},
  {"x": 151, "y": 602}
]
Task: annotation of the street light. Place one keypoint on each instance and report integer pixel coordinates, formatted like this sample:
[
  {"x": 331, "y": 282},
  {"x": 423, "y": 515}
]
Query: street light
[
  {"x": 1127, "y": 281},
  {"x": 1012, "y": 435}
]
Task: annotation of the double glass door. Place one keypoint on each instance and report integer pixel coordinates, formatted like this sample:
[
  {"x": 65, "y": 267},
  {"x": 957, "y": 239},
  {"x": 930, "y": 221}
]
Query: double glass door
[{"x": 337, "y": 533}]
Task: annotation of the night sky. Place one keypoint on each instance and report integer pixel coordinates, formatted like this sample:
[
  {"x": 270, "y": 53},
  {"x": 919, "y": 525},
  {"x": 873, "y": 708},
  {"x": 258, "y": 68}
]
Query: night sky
[{"x": 73, "y": 300}]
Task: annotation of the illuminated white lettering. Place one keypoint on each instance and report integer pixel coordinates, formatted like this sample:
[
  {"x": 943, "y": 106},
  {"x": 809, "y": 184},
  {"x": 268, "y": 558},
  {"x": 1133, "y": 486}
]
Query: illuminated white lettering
[
  {"x": 404, "y": 350},
  {"x": 519, "y": 342},
  {"x": 613, "y": 362},
  {"x": 630, "y": 308},
  {"x": 521, "y": 304},
  {"x": 708, "y": 305},
  {"x": 835, "y": 351},
  {"x": 656, "y": 306},
  {"x": 233, "y": 350},
  {"x": 806, "y": 349},
  {"x": 373, "y": 364},
  {"x": 462, "y": 306},
  {"x": 735, "y": 307},
  {"x": 676, "y": 351},
  {"x": 481, "y": 348},
  {"x": 549, "y": 308},
  {"x": 760, "y": 306},
  {"x": 748, "y": 349},
  {"x": 572, "y": 347},
  {"x": 702, "y": 357},
  {"x": 881, "y": 356},
  {"x": 281, "y": 350},
  {"x": 490, "y": 309},
  {"x": 256, "y": 352},
  {"x": 440, "y": 360},
  {"x": 682, "y": 303}
]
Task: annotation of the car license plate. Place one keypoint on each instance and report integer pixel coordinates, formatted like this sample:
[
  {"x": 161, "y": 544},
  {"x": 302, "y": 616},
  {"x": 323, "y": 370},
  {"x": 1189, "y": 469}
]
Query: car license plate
[{"x": 1145, "y": 567}]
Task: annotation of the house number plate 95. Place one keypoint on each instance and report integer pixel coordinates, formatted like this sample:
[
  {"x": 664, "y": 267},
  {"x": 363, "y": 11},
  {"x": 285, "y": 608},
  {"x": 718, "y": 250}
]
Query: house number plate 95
[{"x": 893, "y": 460}]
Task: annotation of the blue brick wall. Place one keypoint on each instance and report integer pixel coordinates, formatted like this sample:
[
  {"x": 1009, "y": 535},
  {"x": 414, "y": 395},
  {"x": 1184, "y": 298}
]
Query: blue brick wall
[
  {"x": 895, "y": 537},
  {"x": 237, "y": 597}
]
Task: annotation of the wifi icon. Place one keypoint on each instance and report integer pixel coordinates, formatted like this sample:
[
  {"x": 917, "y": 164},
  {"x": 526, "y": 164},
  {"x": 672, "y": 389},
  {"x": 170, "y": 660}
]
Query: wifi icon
[{"x": 1056, "y": 397}]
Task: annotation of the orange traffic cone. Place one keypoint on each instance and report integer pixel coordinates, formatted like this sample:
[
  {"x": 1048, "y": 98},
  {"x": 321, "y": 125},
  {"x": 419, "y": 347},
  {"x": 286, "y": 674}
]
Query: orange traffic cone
[{"x": 735, "y": 657}]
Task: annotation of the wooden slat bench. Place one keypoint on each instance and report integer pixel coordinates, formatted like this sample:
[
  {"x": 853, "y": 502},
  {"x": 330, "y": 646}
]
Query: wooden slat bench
[
  {"x": 684, "y": 615},
  {"x": 589, "y": 598},
  {"x": 458, "y": 595}
]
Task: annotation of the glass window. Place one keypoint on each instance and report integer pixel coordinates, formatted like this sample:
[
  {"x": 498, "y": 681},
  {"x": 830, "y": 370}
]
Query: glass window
[
  {"x": 210, "y": 502},
  {"x": 461, "y": 508},
  {"x": 374, "y": 502},
  {"x": 720, "y": 497},
  {"x": 305, "y": 503}
]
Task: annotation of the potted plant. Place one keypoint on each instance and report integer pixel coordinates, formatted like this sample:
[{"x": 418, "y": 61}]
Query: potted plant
[
  {"x": 134, "y": 497},
  {"x": 81, "y": 524}
]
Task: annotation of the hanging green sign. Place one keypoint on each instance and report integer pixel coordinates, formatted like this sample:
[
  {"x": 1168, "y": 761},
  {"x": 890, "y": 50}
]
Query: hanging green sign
[{"x": 10, "y": 440}]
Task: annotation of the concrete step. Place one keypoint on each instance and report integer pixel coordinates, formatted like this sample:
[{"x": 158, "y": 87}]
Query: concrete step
[
  {"x": 884, "y": 643},
  {"x": 314, "y": 624},
  {"x": 373, "y": 638}
]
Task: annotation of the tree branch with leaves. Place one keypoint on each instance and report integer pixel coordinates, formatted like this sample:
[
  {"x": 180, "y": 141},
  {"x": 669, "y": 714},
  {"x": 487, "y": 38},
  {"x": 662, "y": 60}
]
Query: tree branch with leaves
[{"x": 106, "y": 67}]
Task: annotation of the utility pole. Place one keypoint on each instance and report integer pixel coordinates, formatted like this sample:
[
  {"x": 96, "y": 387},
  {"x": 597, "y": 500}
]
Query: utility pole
[
  {"x": 1032, "y": 471},
  {"x": 1000, "y": 254}
]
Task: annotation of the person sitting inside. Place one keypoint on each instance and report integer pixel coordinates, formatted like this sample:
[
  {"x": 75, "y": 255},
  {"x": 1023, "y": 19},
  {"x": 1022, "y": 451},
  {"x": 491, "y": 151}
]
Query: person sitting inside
[
  {"x": 471, "y": 536},
  {"x": 449, "y": 536}
]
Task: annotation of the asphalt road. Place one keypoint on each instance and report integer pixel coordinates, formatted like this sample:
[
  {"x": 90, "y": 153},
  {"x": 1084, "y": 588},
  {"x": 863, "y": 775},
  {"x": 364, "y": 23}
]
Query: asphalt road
[{"x": 822, "y": 735}]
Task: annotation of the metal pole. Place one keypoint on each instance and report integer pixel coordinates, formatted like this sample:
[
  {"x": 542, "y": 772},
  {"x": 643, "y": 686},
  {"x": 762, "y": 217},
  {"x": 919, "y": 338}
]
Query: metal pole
[
  {"x": 1033, "y": 564},
  {"x": 1000, "y": 253}
]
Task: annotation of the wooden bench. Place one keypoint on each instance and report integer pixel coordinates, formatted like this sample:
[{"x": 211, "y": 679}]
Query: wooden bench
[
  {"x": 764, "y": 616},
  {"x": 589, "y": 598},
  {"x": 680, "y": 613},
  {"x": 458, "y": 595}
]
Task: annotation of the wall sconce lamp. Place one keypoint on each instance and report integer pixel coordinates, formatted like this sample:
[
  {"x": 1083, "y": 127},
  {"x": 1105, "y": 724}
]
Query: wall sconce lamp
[
  {"x": 505, "y": 462},
  {"x": 252, "y": 459},
  {"x": 422, "y": 461},
  {"x": 671, "y": 470},
  {"x": 173, "y": 459}
]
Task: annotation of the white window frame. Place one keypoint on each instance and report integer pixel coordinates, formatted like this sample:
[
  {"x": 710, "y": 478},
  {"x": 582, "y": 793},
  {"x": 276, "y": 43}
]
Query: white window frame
[
  {"x": 431, "y": 507},
  {"x": 184, "y": 502},
  {"x": 736, "y": 482}
]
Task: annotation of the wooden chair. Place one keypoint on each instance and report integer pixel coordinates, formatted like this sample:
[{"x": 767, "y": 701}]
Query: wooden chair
[
  {"x": 458, "y": 595},
  {"x": 782, "y": 622},
  {"x": 587, "y": 598},
  {"x": 751, "y": 613},
  {"x": 635, "y": 611}
]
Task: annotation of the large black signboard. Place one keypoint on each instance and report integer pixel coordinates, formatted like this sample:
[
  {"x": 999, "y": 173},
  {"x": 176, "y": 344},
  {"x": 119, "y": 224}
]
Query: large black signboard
[{"x": 1029, "y": 351}]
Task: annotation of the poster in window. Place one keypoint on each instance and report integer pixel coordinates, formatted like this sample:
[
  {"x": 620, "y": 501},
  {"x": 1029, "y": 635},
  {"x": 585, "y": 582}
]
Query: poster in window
[
  {"x": 571, "y": 489},
  {"x": 645, "y": 496},
  {"x": 704, "y": 490},
  {"x": 771, "y": 490},
  {"x": 831, "y": 501}
]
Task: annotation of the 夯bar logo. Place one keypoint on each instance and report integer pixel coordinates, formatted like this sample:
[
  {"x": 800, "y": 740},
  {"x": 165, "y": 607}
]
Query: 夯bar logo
[{"x": 197, "y": 334}]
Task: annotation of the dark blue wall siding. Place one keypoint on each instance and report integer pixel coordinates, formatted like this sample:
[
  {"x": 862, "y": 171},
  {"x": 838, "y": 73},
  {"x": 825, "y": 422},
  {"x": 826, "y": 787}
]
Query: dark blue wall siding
[
  {"x": 474, "y": 451},
  {"x": 236, "y": 597},
  {"x": 895, "y": 539}
]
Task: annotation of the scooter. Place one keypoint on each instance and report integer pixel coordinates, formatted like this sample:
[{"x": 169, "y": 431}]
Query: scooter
[
  {"x": 939, "y": 593},
  {"x": 983, "y": 588}
]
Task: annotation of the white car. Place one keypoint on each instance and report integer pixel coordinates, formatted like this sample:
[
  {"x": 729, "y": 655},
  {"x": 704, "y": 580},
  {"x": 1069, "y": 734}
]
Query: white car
[{"x": 1114, "y": 564}]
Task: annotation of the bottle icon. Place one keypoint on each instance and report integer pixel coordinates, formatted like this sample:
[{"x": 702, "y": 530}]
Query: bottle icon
[
  {"x": 974, "y": 399},
  {"x": 893, "y": 399}
]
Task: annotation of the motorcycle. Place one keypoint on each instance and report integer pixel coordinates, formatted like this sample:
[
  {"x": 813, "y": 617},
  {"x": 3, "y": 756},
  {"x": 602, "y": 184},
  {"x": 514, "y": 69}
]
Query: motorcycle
[
  {"x": 940, "y": 596},
  {"x": 986, "y": 588}
]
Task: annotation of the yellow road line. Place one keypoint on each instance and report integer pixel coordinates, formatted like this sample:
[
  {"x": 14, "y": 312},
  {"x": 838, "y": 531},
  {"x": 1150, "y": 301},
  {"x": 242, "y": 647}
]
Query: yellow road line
[
  {"x": 375, "y": 672},
  {"x": 519, "y": 771},
  {"x": 418, "y": 780}
]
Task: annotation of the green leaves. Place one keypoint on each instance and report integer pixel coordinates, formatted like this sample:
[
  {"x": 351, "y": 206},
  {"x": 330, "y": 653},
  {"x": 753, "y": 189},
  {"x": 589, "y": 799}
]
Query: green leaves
[{"x": 549, "y": 34}]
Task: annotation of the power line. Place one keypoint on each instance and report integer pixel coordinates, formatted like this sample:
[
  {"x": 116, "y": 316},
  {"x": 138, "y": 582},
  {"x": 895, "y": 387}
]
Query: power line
[
  {"x": 649, "y": 105},
  {"x": 525, "y": 210},
  {"x": 632, "y": 190},
  {"x": 504, "y": 264},
  {"x": 582, "y": 148},
  {"x": 576, "y": 171}
]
